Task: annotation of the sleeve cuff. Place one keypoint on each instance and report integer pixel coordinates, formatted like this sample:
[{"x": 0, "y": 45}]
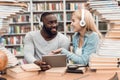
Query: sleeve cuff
[{"x": 63, "y": 51}]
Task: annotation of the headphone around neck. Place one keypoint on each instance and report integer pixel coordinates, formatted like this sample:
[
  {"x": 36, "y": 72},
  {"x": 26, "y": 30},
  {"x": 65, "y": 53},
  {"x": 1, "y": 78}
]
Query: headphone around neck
[{"x": 82, "y": 21}]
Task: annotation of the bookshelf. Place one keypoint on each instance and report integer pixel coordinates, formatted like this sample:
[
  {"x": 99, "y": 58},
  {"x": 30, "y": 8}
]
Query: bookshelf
[
  {"x": 8, "y": 9},
  {"x": 19, "y": 25},
  {"x": 29, "y": 20}
]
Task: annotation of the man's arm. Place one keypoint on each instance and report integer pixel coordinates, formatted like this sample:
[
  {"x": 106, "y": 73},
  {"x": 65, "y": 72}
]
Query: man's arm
[
  {"x": 29, "y": 53},
  {"x": 29, "y": 48}
]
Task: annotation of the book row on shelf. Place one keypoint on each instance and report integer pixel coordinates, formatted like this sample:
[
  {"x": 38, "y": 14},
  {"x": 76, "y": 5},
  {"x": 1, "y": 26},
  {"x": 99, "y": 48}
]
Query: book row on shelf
[
  {"x": 54, "y": 6},
  {"x": 19, "y": 29},
  {"x": 47, "y": 6},
  {"x": 73, "y": 6},
  {"x": 17, "y": 51},
  {"x": 36, "y": 17},
  {"x": 20, "y": 18},
  {"x": 13, "y": 40}
]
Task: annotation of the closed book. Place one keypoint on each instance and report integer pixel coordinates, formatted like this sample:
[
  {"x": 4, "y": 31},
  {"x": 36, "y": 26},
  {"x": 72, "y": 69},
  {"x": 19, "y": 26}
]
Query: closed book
[
  {"x": 67, "y": 6},
  {"x": 106, "y": 64},
  {"x": 113, "y": 33},
  {"x": 57, "y": 71},
  {"x": 108, "y": 70},
  {"x": 72, "y": 7},
  {"x": 103, "y": 67},
  {"x": 78, "y": 70},
  {"x": 100, "y": 58},
  {"x": 103, "y": 62},
  {"x": 18, "y": 72}
]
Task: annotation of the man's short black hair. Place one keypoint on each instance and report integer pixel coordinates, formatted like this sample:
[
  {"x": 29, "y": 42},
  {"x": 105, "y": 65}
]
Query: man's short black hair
[{"x": 45, "y": 14}]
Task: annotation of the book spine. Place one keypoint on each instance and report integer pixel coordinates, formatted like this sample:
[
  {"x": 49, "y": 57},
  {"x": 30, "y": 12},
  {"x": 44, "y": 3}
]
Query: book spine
[{"x": 69, "y": 15}]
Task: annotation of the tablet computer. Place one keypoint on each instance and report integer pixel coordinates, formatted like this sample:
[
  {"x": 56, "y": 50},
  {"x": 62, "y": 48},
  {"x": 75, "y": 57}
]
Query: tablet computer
[{"x": 55, "y": 60}]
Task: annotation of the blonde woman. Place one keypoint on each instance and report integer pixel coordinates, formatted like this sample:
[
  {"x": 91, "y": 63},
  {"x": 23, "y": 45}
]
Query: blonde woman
[{"x": 85, "y": 40}]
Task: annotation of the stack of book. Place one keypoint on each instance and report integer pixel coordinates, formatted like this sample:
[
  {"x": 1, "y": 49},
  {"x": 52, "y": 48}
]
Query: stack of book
[
  {"x": 56, "y": 71},
  {"x": 23, "y": 71},
  {"x": 107, "y": 58},
  {"x": 114, "y": 32},
  {"x": 110, "y": 47},
  {"x": 104, "y": 62}
]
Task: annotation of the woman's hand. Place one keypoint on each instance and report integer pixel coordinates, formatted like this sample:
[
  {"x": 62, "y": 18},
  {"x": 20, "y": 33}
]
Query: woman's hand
[{"x": 57, "y": 51}]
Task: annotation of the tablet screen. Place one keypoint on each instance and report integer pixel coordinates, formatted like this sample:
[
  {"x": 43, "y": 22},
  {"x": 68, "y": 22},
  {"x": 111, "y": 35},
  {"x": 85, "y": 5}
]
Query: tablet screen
[{"x": 55, "y": 60}]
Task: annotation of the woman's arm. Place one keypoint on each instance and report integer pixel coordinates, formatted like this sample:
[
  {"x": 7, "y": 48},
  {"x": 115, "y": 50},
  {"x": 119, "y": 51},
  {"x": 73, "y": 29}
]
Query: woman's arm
[{"x": 89, "y": 48}]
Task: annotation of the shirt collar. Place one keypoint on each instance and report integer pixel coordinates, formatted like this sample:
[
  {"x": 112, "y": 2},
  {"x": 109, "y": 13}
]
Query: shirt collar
[{"x": 86, "y": 34}]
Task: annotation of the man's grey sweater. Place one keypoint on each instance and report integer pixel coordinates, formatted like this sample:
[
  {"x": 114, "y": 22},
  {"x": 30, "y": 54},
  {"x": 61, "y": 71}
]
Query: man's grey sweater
[{"x": 35, "y": 45}]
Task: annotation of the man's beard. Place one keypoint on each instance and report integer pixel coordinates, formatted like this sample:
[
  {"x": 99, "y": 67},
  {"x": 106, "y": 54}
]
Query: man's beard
[{"x": 49, "y": 31}]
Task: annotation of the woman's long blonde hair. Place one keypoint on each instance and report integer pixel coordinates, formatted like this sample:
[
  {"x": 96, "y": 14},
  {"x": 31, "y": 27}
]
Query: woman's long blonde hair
[{"x": 90, "y": 24}]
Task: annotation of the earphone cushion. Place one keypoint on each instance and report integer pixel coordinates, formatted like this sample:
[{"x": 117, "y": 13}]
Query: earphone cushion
[{"x": 82, "y": 23}]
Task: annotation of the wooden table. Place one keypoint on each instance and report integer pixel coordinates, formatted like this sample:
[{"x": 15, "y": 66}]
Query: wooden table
[{"x": 69, "y": 76}]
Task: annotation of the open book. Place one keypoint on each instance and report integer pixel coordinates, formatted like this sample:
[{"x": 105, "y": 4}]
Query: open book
[{"x": 30, "y": 67}]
